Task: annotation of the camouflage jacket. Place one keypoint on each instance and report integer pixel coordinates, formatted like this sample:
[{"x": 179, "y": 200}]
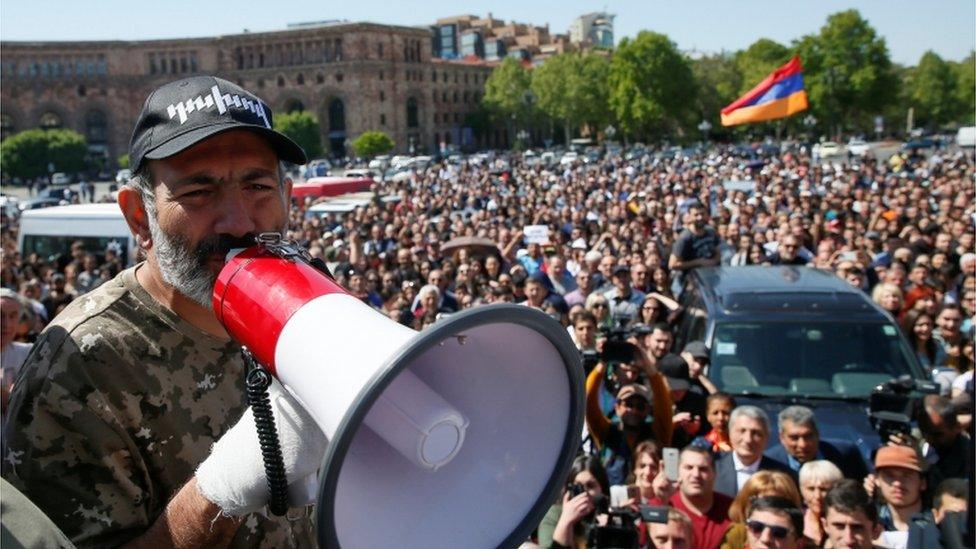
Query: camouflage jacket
[{"x": 116, "y": 406}]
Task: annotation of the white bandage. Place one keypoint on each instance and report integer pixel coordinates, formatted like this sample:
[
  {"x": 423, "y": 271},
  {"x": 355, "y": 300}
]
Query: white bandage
[{"x": 233, "y": 476}]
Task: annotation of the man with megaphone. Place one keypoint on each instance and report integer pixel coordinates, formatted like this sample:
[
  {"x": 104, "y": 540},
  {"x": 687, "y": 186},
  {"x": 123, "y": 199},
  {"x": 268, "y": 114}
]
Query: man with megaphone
[
  {"x": 128, "y": 424},
  {"x": 135, "y": 382}
]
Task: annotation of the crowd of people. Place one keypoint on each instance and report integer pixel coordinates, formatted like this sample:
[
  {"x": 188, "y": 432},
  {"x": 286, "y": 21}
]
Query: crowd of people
[{"x": 621, "y": 233}]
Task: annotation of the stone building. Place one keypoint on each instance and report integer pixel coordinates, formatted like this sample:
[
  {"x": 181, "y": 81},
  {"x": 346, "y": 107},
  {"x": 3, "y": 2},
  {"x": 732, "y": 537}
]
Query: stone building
[{"x": 353, "y": 76}]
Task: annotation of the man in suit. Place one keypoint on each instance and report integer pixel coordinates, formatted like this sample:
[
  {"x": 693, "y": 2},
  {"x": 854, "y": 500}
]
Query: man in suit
[
  {"x": 800, "y": 442},
  {"x": 748, "y": 433}
]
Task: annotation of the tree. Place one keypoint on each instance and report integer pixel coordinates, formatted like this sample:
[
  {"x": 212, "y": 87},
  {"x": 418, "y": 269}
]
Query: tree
[
  {"x": 571, "y": 88},
  {"x": 966, "y": 88},
  {"x": 123, "y": 161},
  {"x": 651, "y": 88},
  {"x": 508, "y": 95},
  {"x": 303, "y": 128},
  {"x": 932, "y": 91},
  {"x": 847, "y": 71},
  {"x": 719, "y": 81},
  {"x": 372, "y": 143},
  {"x": 29, "y": 154},
  {"x": 758, "y": 60}
]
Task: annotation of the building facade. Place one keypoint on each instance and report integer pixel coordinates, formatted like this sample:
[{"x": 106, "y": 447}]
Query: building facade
[
  {"x": 592, "y": 30},
  {"x": 353, "y": 76}
]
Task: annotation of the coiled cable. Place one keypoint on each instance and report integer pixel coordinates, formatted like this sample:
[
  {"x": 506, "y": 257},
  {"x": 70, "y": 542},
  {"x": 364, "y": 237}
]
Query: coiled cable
[{"x": 257, "y": 382}]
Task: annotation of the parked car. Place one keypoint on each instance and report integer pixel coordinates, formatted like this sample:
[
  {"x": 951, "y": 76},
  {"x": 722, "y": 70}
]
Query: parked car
[
  {"x": 858, "y": 147},
  {"x": 795, "y": 335},
  {"x": 123, "y": 176},
  {"x": 60, "y": 178},
  {"x": 569, "y": 158},
  {"x": 380, "y": 163},
  {"x": 828, "y": 149}
]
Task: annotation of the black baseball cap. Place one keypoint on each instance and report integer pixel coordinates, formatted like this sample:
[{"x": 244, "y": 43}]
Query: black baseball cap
[
  {"x": 182, "y": 113},
  {"x": 675, "y": 369}
]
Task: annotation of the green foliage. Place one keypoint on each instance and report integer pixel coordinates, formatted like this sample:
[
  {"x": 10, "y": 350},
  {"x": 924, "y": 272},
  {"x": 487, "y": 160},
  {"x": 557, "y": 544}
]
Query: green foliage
[
  {"x": 123, "y": 161},
  {"x": 27, "y": 154},
  {"x": 652, "y": 90},
  {"x": 932, "y": 91},
  {"x": 372, "y": 143},
  {"x": 758, "y": 60},
  {"x": 303, "y": 128},
  {"x": 508, "y": 91},
  {"x": 719, "y": 82},
  {"x": 847, "y": 71},
  {"x": 571, "y": 88},
  {"x": 966, "y": 88}
]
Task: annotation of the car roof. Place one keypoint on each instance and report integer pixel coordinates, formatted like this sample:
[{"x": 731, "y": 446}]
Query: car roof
[{"x": 781, "y": 292}]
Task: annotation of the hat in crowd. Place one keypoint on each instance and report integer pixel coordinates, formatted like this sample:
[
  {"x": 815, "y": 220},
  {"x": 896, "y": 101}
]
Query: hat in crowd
[
  {"x": 522, "y": 252},
  {"x": 592, "y": 255},
  {"x": 675, "y": 369},
  {"x": 898, "y": 456},
  {"x": 697, "y": 349},
  {"x": 579, "y": 244},
  {"x": 182, "y": 113},
  {"x": 620, "y": 269},
  {"x": 632, "y": 389},
  {"x": 872, "y": 235}
]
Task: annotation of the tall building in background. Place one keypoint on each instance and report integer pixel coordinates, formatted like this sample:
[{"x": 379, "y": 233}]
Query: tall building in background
[{"x": 592, "y": 30}]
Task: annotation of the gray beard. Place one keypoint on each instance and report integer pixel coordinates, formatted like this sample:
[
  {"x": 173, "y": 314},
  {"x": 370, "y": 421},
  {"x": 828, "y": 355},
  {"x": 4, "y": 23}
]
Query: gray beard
[{"x": 181, "y": 267}]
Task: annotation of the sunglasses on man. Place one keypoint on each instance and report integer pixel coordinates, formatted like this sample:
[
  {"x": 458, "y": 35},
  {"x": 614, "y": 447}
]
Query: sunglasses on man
[{"x": 758, "y": 527}]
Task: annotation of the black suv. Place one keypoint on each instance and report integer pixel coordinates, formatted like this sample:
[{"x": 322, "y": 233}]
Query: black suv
[{"x": 796, "y": 335}]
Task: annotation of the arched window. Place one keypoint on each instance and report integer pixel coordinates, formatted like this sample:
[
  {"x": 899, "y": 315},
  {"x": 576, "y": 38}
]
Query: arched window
[
  {"x": 294, "y": 105},
  {"x": 412, "y": 118},
  {"x": 96, "y": 128},
  {"x": 281, "y": 81},
  {"x": 300, "y": 79},
  {"x": 337, "y": 116},
  {"x": 50, "y": 121}
]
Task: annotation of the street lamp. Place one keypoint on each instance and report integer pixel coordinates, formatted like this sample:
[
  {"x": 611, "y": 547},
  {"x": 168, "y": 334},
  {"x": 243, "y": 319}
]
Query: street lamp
[
  {"x": 810, "y": 122},
  {"x": 705, "y": 127}
]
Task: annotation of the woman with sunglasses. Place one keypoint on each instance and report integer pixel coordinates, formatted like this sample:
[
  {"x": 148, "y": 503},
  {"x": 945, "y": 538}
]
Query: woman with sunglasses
[
  {"x": 761, "y": 484},
  {"x": 600, "y": 307}
]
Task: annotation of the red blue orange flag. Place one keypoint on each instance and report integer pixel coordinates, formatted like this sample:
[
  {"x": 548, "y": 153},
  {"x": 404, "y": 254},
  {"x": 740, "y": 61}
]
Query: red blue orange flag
[{"x": 778, "y": 96}]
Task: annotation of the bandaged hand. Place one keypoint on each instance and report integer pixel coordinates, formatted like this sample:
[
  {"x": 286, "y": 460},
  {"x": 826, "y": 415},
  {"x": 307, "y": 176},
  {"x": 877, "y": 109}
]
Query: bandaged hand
[{"x": 233, "y": 476}]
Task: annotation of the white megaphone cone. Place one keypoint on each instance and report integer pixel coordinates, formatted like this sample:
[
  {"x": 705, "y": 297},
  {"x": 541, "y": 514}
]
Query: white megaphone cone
[{"x": 458, "y": 436}]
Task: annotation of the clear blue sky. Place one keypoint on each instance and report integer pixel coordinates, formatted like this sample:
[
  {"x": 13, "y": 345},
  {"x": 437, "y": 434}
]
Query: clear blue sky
[{"x": 947, "y": 27}]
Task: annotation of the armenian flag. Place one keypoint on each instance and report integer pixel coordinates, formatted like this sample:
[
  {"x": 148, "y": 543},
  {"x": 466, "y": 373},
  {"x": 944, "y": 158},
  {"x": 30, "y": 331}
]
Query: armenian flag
[{"x": 778, "y": 96}]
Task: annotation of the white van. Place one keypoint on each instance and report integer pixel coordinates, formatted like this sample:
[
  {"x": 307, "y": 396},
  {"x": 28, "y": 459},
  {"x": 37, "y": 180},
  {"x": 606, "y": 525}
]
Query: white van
[
  {"x": 966, "y": 137},
  {"x": 49, "y": 232}
]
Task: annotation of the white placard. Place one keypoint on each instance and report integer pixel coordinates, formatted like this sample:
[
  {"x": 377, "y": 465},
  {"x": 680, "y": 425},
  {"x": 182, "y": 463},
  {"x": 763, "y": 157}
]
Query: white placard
[{"x": 536, "y": 234}]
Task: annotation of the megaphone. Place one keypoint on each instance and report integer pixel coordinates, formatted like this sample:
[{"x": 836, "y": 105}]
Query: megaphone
[{"x": 457, "y": 436}]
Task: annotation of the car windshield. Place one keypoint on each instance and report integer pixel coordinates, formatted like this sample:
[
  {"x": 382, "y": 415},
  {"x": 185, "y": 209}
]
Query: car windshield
[{"x": 810, "y": 358}]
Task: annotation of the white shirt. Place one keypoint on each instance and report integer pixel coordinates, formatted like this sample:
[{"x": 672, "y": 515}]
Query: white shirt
[{"x": 743, "y": 471}]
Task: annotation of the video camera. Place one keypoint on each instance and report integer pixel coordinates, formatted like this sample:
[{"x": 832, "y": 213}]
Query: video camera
[
  {"x": 620, "y": 529},
  {"x": 895, "y": 404},
  {"x": 616, "y": 348}
]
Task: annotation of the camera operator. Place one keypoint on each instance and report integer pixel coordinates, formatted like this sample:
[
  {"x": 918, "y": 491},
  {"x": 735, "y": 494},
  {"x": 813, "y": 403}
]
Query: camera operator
[
  {"x": 633, "y": 405},
  {"x": 565, "y": 523},
  {"x": 947, "y": 447}
]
